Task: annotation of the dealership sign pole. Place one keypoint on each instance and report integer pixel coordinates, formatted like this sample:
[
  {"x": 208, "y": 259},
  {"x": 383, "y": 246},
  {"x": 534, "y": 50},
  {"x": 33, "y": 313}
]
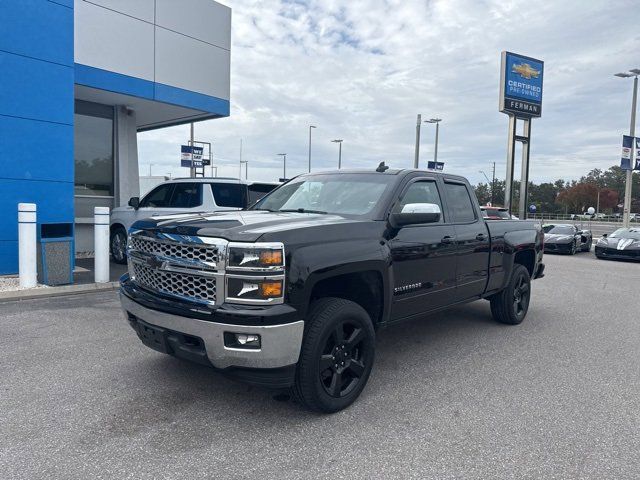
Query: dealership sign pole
[{"x": 521, "y": 99}]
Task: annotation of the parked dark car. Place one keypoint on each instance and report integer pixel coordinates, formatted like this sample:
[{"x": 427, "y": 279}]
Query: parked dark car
[
  {"x": 624, "y": 244},
  {"x": 291, "y": 292},
  {"x": 566, "y": 238},
  {"x": 495, "y": 213}
]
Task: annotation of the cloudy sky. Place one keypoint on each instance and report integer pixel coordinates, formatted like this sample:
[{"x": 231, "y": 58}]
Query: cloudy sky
[{"x": 362, "y": 70}]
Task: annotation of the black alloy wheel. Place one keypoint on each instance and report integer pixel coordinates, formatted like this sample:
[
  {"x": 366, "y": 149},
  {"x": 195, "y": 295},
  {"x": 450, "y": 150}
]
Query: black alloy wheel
[
  {"x": 343, "y": 360},
  {"x": 511, "y": 305},
  {"x": 573, "y": 248},
  {"x": 337, "y": 354},
  {"x": 118, "y": 245}
]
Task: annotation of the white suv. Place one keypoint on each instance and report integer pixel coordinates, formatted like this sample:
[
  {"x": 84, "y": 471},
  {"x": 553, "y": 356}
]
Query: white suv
[{"x": 183, "y": 195}]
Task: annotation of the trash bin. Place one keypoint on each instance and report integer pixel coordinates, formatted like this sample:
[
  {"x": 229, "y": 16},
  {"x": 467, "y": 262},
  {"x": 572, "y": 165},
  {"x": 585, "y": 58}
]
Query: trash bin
[{"x": 55, "y": 254}]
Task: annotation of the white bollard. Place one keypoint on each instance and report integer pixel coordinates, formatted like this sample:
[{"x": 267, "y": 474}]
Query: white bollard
[
  {"x": 101, "y": 244},
  {"x": 27, "y": 245}
]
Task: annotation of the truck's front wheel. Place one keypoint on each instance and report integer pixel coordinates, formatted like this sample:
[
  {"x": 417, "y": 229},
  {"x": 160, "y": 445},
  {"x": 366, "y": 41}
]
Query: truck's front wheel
[
  {"x": 511, "y": 304},
  {"x": 337, "y": 355}
]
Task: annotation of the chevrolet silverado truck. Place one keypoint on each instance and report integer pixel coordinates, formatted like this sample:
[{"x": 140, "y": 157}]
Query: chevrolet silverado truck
[{"x": 291, "y": 292}]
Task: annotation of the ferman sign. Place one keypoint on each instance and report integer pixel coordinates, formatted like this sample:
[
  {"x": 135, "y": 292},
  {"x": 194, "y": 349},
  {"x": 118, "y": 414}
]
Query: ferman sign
[{"x": 521, "y": 85}]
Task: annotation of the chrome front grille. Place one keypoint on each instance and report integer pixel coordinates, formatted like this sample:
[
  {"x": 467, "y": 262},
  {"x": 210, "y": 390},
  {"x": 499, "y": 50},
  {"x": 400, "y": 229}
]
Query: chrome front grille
[
  {"x": 189, "y": 286},
  {"x": 187, "y": 251}
]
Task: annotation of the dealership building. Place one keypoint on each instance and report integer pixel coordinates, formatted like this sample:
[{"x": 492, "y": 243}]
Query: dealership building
[{"x": 79, "y": 80}]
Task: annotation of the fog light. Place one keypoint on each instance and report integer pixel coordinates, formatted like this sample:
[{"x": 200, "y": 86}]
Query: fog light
[{"x": 242, "y": 340}]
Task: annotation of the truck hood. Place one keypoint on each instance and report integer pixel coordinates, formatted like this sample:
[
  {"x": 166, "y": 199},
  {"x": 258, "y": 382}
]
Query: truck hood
[{"x": 240, "y": 226}]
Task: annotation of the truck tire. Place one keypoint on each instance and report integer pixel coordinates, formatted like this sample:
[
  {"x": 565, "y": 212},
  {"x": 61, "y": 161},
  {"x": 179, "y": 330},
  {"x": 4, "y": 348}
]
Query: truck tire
[
  {"x": 118, "y": 245},
  {"x": 511, "y": 304},
  {"x": 338, "y": 350}
]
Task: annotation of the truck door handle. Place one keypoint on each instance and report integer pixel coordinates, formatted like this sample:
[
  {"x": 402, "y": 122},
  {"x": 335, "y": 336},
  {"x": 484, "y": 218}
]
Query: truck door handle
[
  {"x": 447, "y": 239},
  {"x": 480, "y": 237}
]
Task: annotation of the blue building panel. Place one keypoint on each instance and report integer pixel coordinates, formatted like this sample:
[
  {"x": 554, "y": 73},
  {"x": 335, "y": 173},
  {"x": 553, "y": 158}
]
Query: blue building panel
[
  {"x": 8, "y": 256},
  {"x": 36, "y": 116},
  {"x": 36, "y": 89},
  {"x": 38, "y": 29},
  {"x": 54, "y": 201},
  {"x": 36, "y": 150},
  {"x": 138, "y": 87}
]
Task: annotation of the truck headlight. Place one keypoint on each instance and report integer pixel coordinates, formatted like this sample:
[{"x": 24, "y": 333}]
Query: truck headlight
[
  {"x": 255, "y": 290},
  {"x": 257, "y": 257}
]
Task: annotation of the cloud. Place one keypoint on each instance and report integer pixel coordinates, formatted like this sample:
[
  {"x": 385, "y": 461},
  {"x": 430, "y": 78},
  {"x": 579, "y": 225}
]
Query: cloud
[{"x": 362, "y": 70}]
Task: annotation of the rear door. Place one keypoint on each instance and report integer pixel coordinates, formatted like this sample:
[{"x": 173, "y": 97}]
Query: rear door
[
  {"x": 472, "y": 241},
  {"x": 423, "y": 256}
]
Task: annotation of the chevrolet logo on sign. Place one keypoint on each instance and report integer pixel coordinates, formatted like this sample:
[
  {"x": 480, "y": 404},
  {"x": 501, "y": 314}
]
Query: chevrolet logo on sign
[{"x": 525, "y": 71}]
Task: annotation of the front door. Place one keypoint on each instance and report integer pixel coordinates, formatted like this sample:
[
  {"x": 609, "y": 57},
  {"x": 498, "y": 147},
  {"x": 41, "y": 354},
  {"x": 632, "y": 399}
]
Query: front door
[{"x": 423, "y": 257}]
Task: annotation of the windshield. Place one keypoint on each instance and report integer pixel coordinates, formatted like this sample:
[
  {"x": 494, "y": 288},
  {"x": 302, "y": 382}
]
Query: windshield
[
  {"x": 341, "y": 194},
  {"x": 624, "y": 233},
  {"x": 559, "y": 229}
]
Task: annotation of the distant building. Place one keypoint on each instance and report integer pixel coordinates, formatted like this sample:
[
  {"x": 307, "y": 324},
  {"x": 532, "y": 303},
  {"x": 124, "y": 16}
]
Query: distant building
[{"x": 79, "y": 80}]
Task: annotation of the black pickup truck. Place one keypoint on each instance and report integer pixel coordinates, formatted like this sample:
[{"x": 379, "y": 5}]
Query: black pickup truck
[{"x": 291, "y": 292}]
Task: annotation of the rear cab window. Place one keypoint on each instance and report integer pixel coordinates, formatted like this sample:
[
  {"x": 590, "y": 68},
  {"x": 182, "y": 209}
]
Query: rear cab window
[{"x": 231, "y": 195}]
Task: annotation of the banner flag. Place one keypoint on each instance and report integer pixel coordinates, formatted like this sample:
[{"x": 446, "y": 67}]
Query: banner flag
[
  {"x": 627, "y": 152},
  {"x": 435, "y": 166},
  {"x": 637, "y": 167}
]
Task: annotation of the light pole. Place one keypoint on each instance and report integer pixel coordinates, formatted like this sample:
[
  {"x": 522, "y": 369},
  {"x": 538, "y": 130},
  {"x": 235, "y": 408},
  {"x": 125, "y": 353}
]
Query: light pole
[
  {"x": 310, "y": 127},
  {"x": 339, "y": 142},
  {"x": 634, "y": 72},
  {"x": 284, "y": 165},
  {"x": 417, "y": 154},
  {"x": 437, "y": 122}
]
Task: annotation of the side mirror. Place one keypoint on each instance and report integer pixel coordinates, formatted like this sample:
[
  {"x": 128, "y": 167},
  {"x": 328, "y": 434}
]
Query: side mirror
[
  {"x": 134, "y": 202},
  {"x": 415, "y": 213},
  {"x": 604, "y": 235}
]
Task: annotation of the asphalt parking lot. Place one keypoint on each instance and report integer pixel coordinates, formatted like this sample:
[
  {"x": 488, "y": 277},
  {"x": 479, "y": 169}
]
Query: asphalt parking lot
[{"x": 453, "y": 395}]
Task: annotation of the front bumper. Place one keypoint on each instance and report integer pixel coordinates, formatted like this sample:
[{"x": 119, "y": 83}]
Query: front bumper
[
  {"x": 605, "y": 252},
  {"x": 557, "y": 247},
  {"x": 280, "y": 344}
]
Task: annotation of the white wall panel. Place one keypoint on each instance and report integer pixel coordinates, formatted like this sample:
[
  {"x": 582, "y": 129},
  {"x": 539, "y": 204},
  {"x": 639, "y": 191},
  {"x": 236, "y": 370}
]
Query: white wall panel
[
  {"x": 191, "y": 64},
  {"x": 202, "y": 19},
  {"x": 142, "y": 9},
  {"x": 112, "y": 41}
]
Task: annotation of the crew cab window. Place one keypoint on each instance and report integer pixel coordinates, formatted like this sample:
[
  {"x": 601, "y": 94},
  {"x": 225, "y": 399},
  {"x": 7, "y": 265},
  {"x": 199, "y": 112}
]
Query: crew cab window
[
  {"x": 460, "y": 205},
  {"x": 159, "y": 197},
  {"x": 421, "y": 192},
  {"x": 186, "y": 195},
  {"x": 230, "y": 194}
]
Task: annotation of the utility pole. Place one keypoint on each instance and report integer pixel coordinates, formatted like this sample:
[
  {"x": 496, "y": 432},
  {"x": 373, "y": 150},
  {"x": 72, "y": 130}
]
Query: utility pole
[
  {"x": 493, "y": 183},
  {"x": 632, "y": 132},
  {"x": 417, "y": 154},
  {"x": 310, "y": 127}
]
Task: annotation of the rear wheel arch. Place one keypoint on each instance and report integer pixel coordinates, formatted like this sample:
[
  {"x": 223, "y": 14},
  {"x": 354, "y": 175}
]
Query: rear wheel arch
[{"x": 526, "y": 258}]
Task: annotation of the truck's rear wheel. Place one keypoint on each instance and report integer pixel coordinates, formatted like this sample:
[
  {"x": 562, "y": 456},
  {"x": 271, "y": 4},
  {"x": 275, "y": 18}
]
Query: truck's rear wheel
[
  {"x": 336, "y": 357},
  {"x": 511, "y": 304}
]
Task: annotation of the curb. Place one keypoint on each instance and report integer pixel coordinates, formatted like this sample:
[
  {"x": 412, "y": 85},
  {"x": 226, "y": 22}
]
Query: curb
[{"x": 57, "y": 291}]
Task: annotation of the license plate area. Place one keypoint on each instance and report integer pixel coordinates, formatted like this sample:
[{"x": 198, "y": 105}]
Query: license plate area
[{"x": 152, "y": 337}]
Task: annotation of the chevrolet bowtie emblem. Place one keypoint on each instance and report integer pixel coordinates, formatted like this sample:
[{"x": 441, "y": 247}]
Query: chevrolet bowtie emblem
[
  {"x": 525, "y": 71},
  {"x": 154, "y": 262}
]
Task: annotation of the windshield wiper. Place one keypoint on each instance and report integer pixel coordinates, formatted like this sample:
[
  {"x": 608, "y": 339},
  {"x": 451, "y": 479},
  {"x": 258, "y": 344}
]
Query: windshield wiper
[
  {"x": 302, "y": 210},
  {"x": 262, "y": 210}
]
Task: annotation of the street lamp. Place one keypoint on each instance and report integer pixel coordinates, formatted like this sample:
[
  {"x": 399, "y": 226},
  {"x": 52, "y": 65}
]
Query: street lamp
[
  {"x": 339, "y": 142},
  {"x": 437, "y": 122},
  {"x": 493, "y": 182},
  {"x": 284, "y": 165},
  {"x": 634, "y": 72},
  {"x": 310, "y": 127}
]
